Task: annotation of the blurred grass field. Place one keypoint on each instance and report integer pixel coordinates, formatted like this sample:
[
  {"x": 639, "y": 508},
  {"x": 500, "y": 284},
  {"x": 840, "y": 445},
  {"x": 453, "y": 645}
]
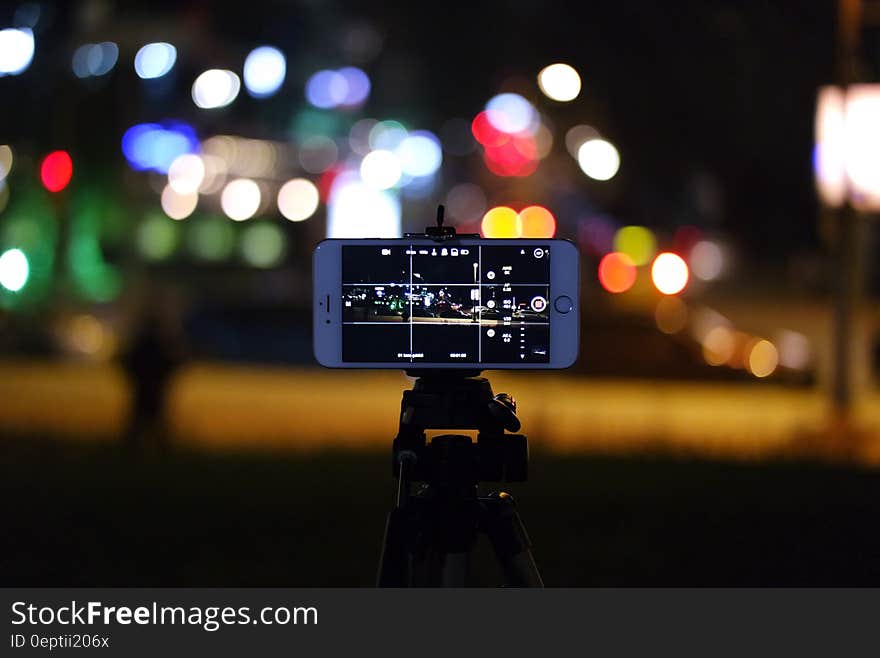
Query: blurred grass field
[
  {"x": 213, "y": 406},
  {"x": 281, "y": 477},
  {"x": 101, "y": 515}
]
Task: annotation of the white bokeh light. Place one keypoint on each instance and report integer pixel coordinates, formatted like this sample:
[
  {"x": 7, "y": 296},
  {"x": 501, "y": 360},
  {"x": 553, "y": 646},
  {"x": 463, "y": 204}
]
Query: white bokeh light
[
  {"x": 861, "y": 145},
  {"x": 707, "y": 260},
  {"x": 215, "y": 88},
  {"x": 177, "y": 205},
  {"x": 186, "y": 173},
  {"x": 16, "y": 50},
  {"x": 510, "y": 113},
  {"x": 380, "y": 169},
  {"x": 240, "y": 199},
  {"x": 560, "y": 82},
  {"x": 298, "y": 199},
  {"x": 356, "y": 210},
  {"x": 669, "y": 273},
  {"x": 598, "y": 159},
  {"x": 14, "y": 270},
  {"x": 264, "y": 71}
]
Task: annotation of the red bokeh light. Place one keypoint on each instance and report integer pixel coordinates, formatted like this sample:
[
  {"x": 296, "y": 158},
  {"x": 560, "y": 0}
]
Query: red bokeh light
[
  {"x": 617, "y": 273},
  {"x": 56, "y": 171},
  {"x": 686, "y": 237},
  {"x": 487, "y": 134},
  {"x": 325, "y": 182},
  {"x": 512, "y": 158}
]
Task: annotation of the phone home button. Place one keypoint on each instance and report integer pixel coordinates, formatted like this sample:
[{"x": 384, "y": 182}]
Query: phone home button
[{"x": 563, "y": 304}]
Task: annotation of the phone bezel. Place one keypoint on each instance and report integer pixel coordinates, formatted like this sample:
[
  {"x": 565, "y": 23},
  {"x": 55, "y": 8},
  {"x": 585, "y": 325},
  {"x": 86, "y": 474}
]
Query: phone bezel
[{"x": 327, "y": 325}]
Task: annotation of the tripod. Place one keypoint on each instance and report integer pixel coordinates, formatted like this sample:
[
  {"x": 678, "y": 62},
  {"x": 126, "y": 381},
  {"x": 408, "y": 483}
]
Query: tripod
[{"x": 434, "y": 527}]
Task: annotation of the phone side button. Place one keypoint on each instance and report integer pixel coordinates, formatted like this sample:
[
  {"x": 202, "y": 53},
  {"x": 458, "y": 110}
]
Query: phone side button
[{"x": 563, "y": 304}]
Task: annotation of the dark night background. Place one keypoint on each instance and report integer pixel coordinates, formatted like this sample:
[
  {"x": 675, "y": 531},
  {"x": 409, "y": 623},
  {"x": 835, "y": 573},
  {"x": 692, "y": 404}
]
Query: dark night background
[{"x": 177, "y": 431}]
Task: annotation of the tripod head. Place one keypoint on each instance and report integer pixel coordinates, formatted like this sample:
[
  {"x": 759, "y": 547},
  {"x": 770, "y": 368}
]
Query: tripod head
[{"x": 458, "y": 400}]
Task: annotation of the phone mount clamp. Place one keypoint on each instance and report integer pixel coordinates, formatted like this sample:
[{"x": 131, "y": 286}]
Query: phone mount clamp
[
  {"x": 439, "y": 514},
  {"x": 441, "y": 233}
]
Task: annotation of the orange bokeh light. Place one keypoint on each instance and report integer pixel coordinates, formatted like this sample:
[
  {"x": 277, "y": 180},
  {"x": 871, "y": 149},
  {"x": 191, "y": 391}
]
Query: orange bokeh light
[
  {"x": 537, "y": 222},
  {"x": 617, "y": 273},
  {"x": 500, "y": 222}
]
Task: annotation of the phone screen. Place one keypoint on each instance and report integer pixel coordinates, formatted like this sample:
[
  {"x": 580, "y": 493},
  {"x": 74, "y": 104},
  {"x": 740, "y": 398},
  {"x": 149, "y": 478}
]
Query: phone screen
[{"x": 440, "y": 304}]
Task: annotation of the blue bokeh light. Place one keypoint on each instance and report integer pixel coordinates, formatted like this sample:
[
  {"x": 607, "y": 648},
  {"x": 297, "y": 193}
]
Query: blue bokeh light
[
  {"x": 326, "y": 89},
  {"x": 358, "y": 86},
  {"x": 154, "y": 146}
]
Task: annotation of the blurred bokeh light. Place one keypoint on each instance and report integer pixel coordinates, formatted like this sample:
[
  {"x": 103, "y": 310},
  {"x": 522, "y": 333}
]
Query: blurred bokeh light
[
  {"x": 560, "y": 82},
  {"x": 500, "y": 222},
  {"x": 16, "y": 50},
  {"x": 298, "y": 199},
  {"x": 617, "y": 272},
  {"x": 669, "y": 273},
  {"x": 14, "y": 269},
  {"x": 598, "y": 159},
  {"x": 637, "y": 242},
  {"x": 179, "y": 204},
  {"x": 264, "y": 71},
  {"x": 358, "y": 210},
  {"x": 215, "y": 88},
  {"x": 240, "y": 199},
  {"x": 763, "y": 358},
  {"x": 56, "y": 171},
  {"x": 380, "y": 169},
  {"x": 94, "y": 59},
  {"x": 536, "y": 222},
  {"x": 155, "y": 60}
]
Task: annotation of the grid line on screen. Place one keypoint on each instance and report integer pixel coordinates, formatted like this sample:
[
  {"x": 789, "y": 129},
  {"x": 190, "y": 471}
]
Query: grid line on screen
[
  {"x": 410, "y": 250},
  {"x": 469, "y": 305},
  {"x": 480, "y": 305}
]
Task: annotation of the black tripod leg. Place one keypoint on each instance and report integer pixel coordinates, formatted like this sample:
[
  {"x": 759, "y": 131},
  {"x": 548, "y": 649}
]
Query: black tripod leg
[
  {"x": 395, "y": 568},
  {"x": 394, "y": 565},
  {"x": 510, "y": 541}
]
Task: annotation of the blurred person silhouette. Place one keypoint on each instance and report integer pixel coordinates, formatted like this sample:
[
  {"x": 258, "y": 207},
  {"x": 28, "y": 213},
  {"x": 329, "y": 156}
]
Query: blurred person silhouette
[{"x": 154, "y": 352}]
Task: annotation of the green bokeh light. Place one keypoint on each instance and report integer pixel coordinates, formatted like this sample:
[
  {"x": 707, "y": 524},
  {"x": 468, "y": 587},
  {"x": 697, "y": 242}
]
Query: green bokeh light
[
  {"x": 157, "y": 237},
  {"x": 263, "y": 245},
  {"x": 310, "y": 122},
  {"x": 210, "y": 239},
  {"x": 95, "y": 219},
  {"x": 30, "y": 225}
]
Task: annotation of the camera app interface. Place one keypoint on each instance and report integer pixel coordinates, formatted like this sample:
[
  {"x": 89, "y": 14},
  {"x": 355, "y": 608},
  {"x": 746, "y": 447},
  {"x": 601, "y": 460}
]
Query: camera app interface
[{"x": 445, "y": 304}]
